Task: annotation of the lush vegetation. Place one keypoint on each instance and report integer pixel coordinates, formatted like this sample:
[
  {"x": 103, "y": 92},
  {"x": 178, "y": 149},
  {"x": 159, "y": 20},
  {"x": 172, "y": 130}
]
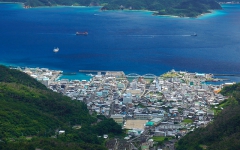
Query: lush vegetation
[
  {"x": 187, "y": 121},
  {"x": 224, "y": 132},
  {"x": 15, "y": 76},
  {"x": 161, "y": 138},
  {"x": 182, "y": 8},
  {"x": 31, "y": 116}
]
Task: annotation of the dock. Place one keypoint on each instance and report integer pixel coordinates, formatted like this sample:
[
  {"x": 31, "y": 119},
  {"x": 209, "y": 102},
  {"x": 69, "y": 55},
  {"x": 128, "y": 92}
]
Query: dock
[
  {"x": 226, "y": 74},
  {"x": 89, "y": 71},
  {"x": 118, "y": 74},
  {"x": 69, "y": 73}
]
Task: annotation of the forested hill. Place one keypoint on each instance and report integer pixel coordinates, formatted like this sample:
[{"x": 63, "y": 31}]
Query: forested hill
[
  {"x": 31, "y": 116},
  {"x": 182, "y": 8},
  {"x": 224, "y": 132},
  {"x": 15, "y": 76}
]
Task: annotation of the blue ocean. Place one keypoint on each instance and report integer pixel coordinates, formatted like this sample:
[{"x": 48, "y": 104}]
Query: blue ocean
[{"x": 129, "y": 41}]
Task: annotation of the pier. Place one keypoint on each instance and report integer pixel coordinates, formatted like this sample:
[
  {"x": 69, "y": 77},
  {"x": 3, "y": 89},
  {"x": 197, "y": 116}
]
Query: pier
[
  {"x": 69, "y": 73},
  {"x": 147, "y": 76},
  {"x": 89, "y": 71},
  {"x": 226, "y": 75},
  {"x": 118, "y": 74}
]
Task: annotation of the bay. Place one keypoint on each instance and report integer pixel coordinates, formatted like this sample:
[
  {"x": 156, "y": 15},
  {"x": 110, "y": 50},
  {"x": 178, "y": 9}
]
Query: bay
[{"x": 129, "y": 41}]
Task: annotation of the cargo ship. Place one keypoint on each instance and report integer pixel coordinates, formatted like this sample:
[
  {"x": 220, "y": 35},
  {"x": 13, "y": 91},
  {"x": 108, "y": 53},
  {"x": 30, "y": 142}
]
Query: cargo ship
[{"x": 81, "y": 33}]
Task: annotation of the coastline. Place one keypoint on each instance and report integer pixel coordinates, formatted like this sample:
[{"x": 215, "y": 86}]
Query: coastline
[
  {"x": 57, "y": 6},
  {"x": 158, "y": 19},
  {"x": 20, "y": 3},
  {"x": 84, "y": 76},
  {"x": 12, "y": 2},
  {"x": 154, "y": 13},
  {"x": 78, "y": 75},
  {"x": 201, "y": 15},
  {"x": 233, "y": 2},
  {"x": 211, "y": 11}
]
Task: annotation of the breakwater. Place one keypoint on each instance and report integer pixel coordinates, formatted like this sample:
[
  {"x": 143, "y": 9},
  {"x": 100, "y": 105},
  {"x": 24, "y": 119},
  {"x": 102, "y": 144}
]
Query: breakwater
[{"x": 227, "y": 75}]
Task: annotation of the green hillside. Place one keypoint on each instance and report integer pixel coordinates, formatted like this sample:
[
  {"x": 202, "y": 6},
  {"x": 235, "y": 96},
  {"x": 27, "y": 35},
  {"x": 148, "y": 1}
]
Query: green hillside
[
  {"x": 224, "y": 132},
  {"x": 15, "y": 76},
  {"x": 31, "y": 116},
  {"x": 182, "y": 8}
]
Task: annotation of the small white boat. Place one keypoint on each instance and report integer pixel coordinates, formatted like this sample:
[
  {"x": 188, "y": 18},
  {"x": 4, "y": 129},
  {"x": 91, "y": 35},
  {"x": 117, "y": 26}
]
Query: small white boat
[
  {"x": 90, "y": 75},
  {"x": 55, "y": 50}
]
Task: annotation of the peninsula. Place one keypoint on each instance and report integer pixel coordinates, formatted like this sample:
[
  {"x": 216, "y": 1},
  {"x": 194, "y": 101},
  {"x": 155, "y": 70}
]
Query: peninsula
[{"x": 181, "y": 8}]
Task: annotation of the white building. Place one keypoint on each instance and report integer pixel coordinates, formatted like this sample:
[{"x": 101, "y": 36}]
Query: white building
[{"x": 127, "y": 98}]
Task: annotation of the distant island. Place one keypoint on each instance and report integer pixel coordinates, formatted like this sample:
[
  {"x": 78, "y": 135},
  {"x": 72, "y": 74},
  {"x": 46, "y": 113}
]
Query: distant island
[{"x": 181, "y": 8}]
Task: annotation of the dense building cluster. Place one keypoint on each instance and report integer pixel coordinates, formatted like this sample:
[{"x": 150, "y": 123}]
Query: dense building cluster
[{"x": 169, "y": 105}]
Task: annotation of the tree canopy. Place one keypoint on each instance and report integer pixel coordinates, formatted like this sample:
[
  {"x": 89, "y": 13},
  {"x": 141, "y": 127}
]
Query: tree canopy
[
  {"x": 224, "y": 132},
  {"x": 182, "y": 8}
]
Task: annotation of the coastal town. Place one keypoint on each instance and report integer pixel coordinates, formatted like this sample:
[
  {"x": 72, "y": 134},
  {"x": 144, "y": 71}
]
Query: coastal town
[{"x": 154, "y": 110}]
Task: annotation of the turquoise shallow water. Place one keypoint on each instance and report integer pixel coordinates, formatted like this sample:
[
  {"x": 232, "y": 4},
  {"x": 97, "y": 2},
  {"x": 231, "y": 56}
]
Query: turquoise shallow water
[
  {"x": 79, "y": 76},
  {"x": 130, "y": 41}
]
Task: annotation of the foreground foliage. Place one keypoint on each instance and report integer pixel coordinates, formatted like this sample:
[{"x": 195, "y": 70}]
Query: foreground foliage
[
  {"x": 224, "y": 132},
  {"x": 31, "y": 116}
]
